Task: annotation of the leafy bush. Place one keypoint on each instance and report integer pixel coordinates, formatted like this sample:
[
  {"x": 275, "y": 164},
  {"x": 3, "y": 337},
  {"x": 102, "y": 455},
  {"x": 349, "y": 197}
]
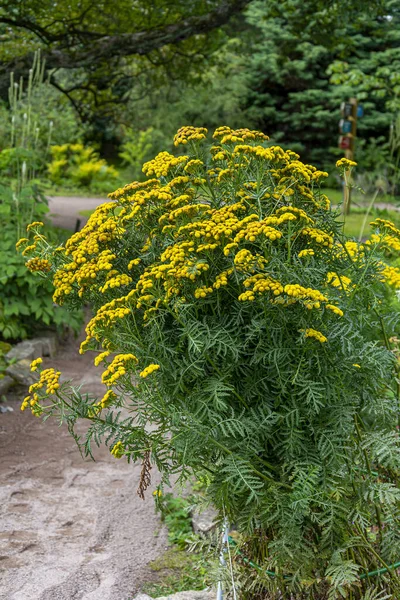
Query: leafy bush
[
  {"x": 138, "y": 146},
  {"x": 25, "y": 302},
  {"x": 37, "y": 116},
  {"x": 79, "y": 165},
  {"x": 257, "y": 340}
]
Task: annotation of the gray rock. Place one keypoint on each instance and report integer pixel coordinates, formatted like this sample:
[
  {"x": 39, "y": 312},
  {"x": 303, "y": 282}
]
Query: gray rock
[
  {"x": 48, "y": 344},
  {"x": 21, "y": 372},
  {"x": 22, "y": 351},
  {"x": 191, "y": 595},
  {"x": 4, "y": 409},
  {"x": 204, "y": 520},
  {"x": 45, "y": 345},
  {"x": 5, "y": 383}
]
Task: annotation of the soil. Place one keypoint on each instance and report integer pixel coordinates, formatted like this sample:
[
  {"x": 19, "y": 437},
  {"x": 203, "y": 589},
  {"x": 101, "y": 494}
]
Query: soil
[{"x": 71, "y": 528}]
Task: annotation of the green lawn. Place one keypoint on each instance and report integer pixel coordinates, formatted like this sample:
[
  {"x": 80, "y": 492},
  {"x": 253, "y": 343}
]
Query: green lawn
[
  {"x": 86, "y": 212},
  {"x": 357, "y": 226},
  {"x": 359, "y": 198}
]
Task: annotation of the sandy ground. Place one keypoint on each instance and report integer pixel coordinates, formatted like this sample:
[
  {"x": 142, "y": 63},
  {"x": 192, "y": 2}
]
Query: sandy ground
[
  {"x": 71, "y": 529},
  {"x": 64, "y": 210}
]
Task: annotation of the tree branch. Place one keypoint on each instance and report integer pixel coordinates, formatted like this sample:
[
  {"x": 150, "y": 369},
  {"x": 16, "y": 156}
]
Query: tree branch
[{"x": 127, "y": 44}]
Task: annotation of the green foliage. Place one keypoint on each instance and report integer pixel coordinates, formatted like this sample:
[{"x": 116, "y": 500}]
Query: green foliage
[
  {"x": 179, "y": 569},
  {"x": 137, "y": 147},
  {"x": 4, "y": 348},
  {"x": 26, "y": 303},
  {"x": 79, "y": 165},
  {"x": 35, "y": 118},
  {"x": 286, "y": 396},
  {"x": 276, "y": 72},
  {"x": 175, "y": 512}
]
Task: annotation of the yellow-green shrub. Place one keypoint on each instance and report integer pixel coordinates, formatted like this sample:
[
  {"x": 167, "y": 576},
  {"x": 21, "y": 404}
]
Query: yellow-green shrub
[{"x": 79, "y": 165}]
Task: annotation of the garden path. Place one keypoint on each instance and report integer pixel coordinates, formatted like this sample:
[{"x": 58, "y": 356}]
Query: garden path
[
  {"x": 64, "y": 210},
  {"x": 71, "y": 528}
]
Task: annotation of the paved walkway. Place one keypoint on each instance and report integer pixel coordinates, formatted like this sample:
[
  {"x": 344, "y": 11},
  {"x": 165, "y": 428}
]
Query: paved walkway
[
  {"x": 71, "y": 528},
  {"x": 64, "y": 210}
]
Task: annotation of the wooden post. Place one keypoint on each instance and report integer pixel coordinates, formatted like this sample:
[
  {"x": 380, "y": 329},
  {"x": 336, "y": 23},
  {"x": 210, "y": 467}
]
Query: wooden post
[{"x": 349, "y": 149}]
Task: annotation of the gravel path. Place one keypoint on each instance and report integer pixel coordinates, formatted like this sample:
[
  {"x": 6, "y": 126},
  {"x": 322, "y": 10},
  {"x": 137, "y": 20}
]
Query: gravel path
[
  {"x": 71, "y": 529},
  {"x": 64, "y": 210}
]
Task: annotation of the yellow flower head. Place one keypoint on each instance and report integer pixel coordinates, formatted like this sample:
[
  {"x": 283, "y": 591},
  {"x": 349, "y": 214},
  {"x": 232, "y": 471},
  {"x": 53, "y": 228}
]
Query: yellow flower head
[
  {"x": 35, "y": 363},
  {"x": 313, "y": 333},
  {"x": 149, "y": 370},
  {"x": 118, "y": 450},
  {"x": 36, "y": 224},
  {"x": 345, "y": 163},
  {"x": 21, "y": 242}
]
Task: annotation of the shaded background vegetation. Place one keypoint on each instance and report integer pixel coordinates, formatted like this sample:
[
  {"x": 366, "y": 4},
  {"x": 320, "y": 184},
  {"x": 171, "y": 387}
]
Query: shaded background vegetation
[{"x": 124, "y": 76}]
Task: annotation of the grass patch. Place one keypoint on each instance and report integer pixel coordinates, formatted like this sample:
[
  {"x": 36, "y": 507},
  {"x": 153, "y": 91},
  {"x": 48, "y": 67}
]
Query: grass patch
[
  {"x": 358, "y": 197},
  {"x": 357, "y": 226},
  {"x": 177, "y": 569},
  {"x": 86, "y": 212}
]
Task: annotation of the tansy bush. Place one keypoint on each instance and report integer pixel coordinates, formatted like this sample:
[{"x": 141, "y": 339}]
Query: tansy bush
[{"x": 230, "y": 311}]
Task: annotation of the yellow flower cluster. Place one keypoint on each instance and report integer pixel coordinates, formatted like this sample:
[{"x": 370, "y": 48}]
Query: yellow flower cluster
[
  {"x": 390, "y": 242},
  {"x": 246, "y": 261},
  {"x": 222, "y": 278},
  {"x": 163, "y": 163},
  {"x": 117, "y": 368},
  {"x": 21, "y": 242},
  {"x": 301, "y": 293},
  {"x": 107, "y": 399},
  {"x": 193, "y": 165},
  {"x": 337, "y": 281},
  {"x": 391, "y": 275},
  {"x": 115, "y": 282},
  {"x": 38, "y": 264},
  {"x": 49, "y": 379},
  {"x": 318, "y": 236},
  {"x": 35, "y": 363},
  {"x": 334, "y": 309},
  {"x": 202, "y": 292},
  {"x": 354, "y": 250},
  {"x": 190, "y": 134},
  {"x": 345, "y": 163},
  {"x": 306, "y": 252},
  {"x": 118, "y": 450},
  {"x": 260, "y": 284},
  {"x": 34, "y": 225},
  {"x": 238, "y": 135},
  {"x": 149, "y": 370},
  {"x": 100, "y": 357},
  {"x": 384, "y": 224},
  {"x": 313, "y": 333},
  {"x": 133, "y": 263},
  {"x": 28, "y": 249}
]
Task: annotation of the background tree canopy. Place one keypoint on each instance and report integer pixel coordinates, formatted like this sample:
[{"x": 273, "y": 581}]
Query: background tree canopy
[{"x": 142, "y": 69}]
